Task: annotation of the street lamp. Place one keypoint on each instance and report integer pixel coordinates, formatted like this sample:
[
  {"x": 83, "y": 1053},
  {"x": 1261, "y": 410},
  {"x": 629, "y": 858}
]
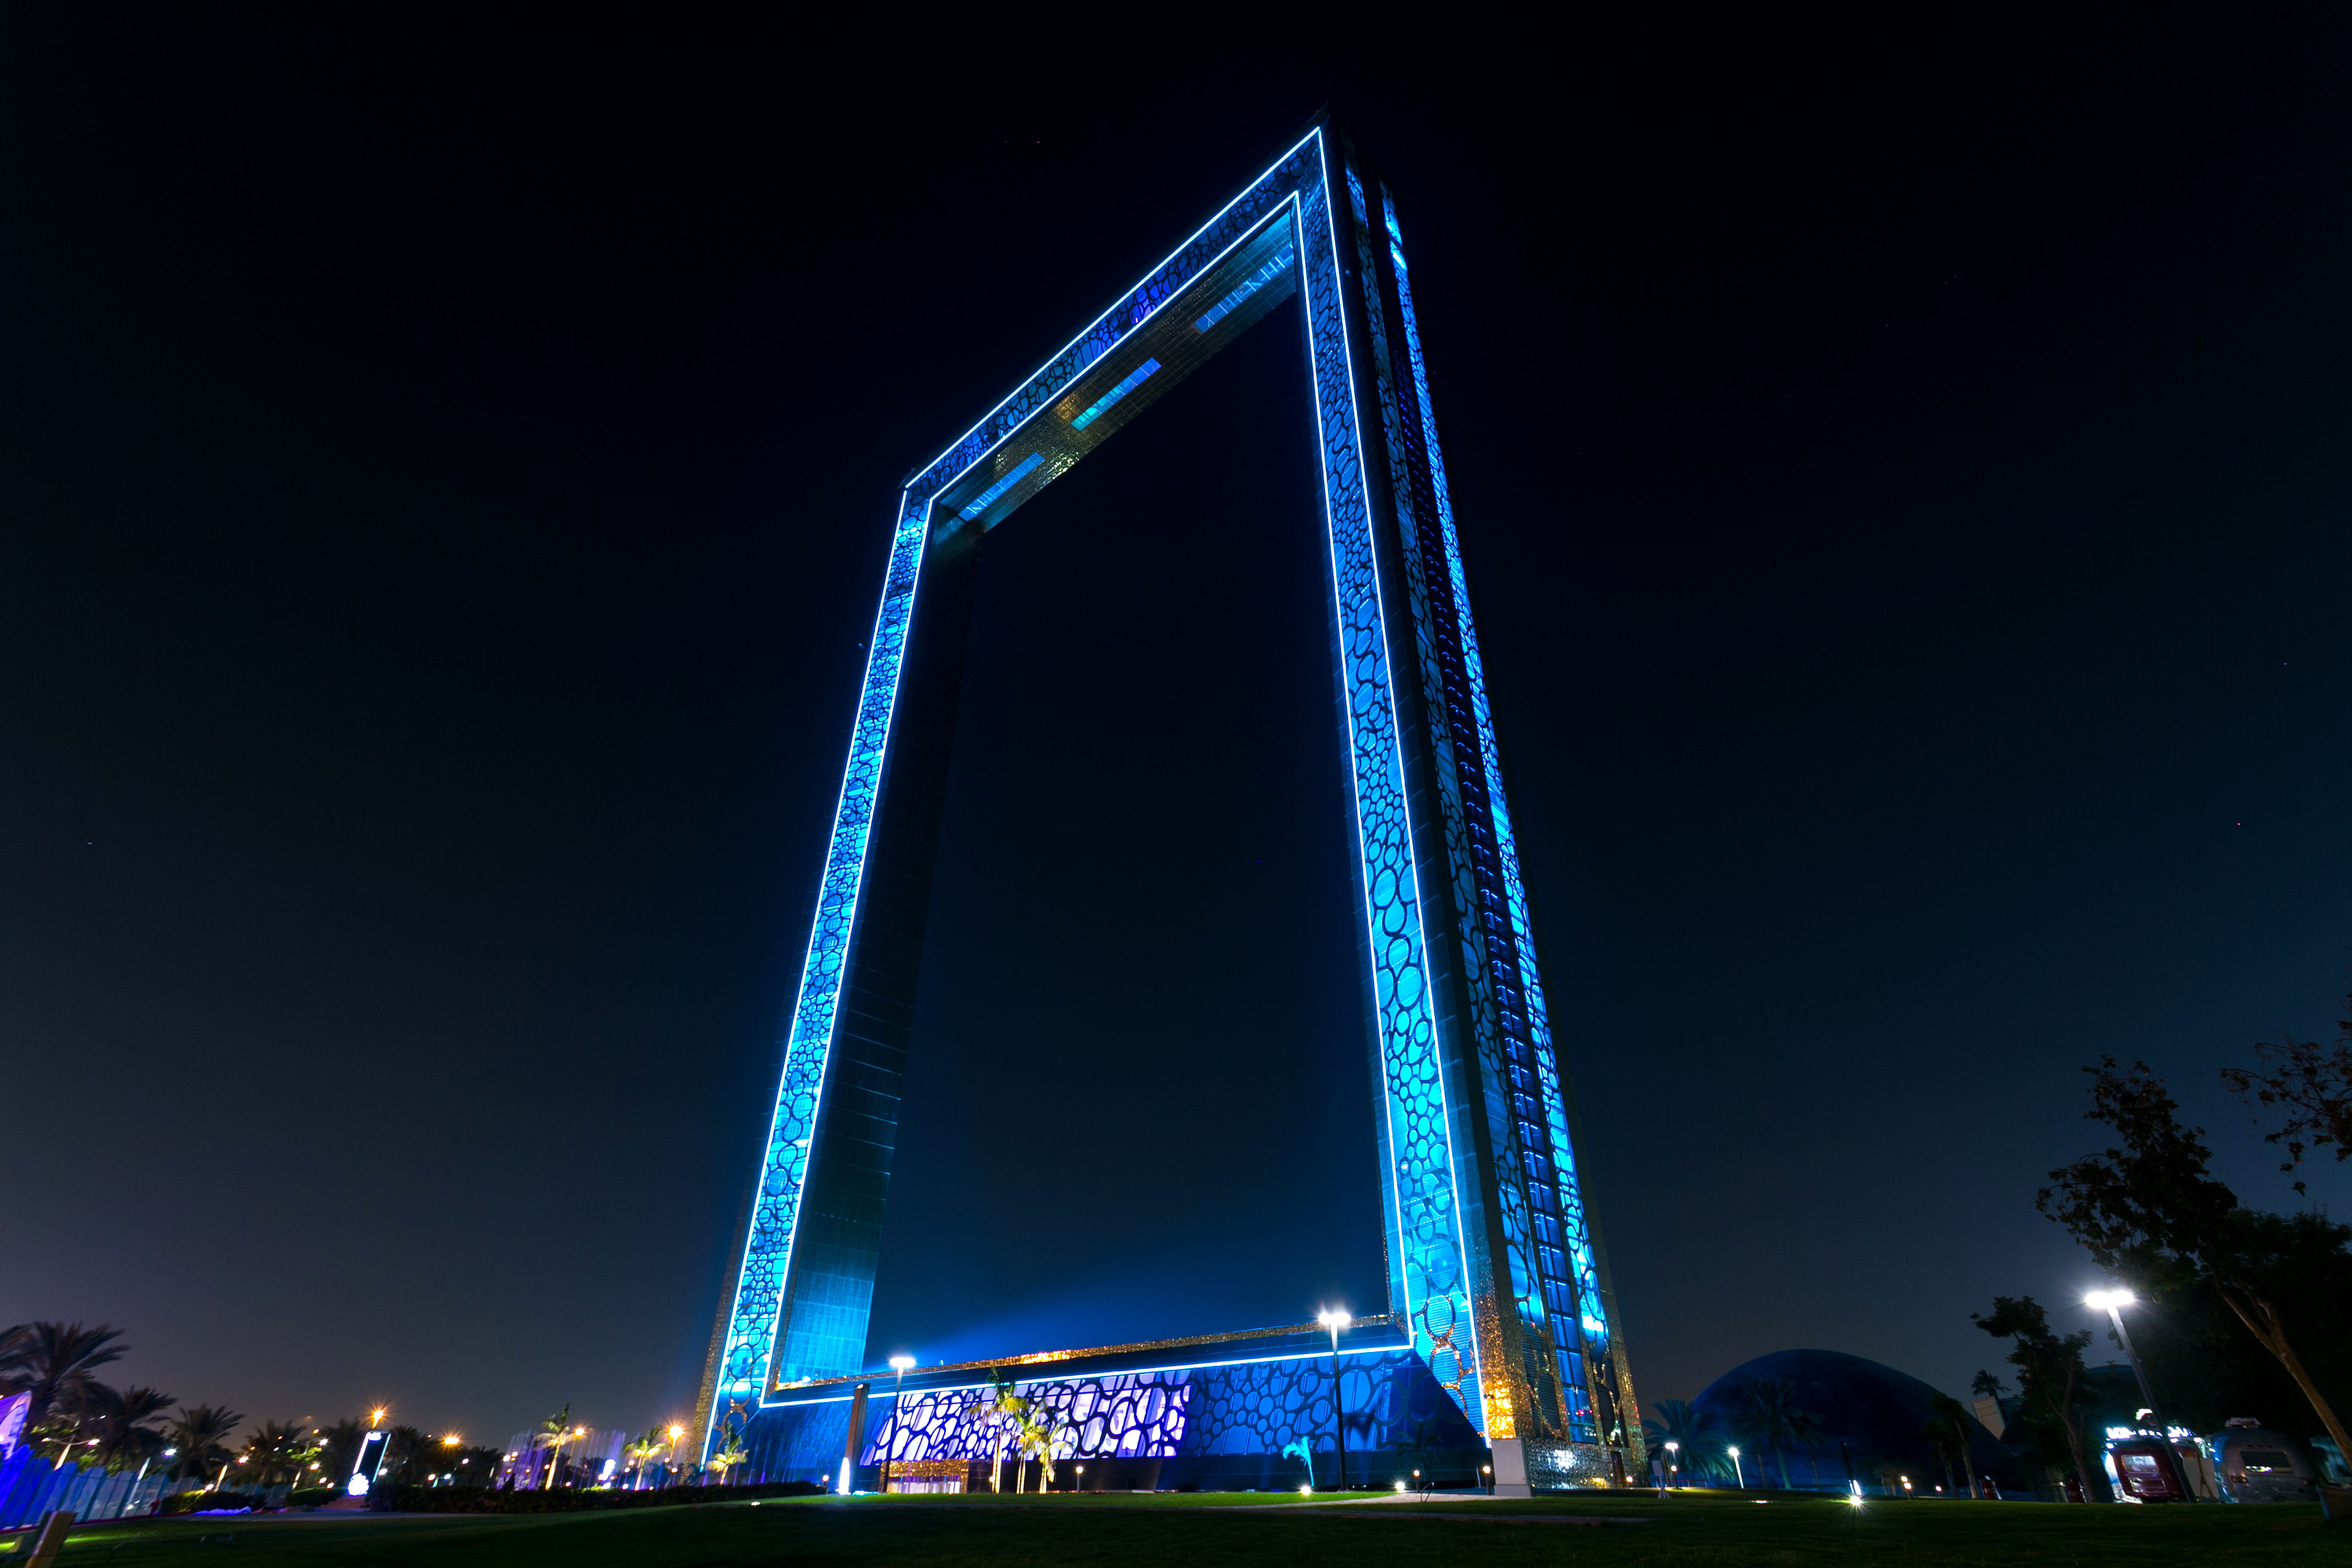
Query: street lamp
[
  {"x": 900, "y": 1366},
  {"x": 2112, "y": 1303},
  {"x": 1673, "y": 1469},
  {"x": 1335, "y": 1319},
  {"x": 1737, "y": 1475},
  {"x": 676, "y": 1432}
]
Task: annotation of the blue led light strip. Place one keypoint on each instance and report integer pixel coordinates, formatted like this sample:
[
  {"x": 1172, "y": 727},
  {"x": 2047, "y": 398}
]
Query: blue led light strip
[
  {"x": 981, "y": 502},
  {"x": 1250, "y": 285},
  {"x": 1095, "y": 410},
  {"x": 744, "y": 1357}
]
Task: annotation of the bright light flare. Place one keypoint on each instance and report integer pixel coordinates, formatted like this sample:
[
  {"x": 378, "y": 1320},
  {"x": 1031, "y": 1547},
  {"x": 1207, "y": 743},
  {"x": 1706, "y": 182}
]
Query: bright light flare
[
  {"x": 2108, "y": 1300},
  {"x": 902, "y": 1364}
]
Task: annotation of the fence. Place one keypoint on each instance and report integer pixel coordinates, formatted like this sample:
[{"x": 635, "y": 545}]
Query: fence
[{"x": 31, "y": 1485}]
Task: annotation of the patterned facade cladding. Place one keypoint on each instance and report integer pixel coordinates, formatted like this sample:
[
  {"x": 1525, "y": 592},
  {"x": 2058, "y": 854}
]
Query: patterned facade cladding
[
  {"x": 1492, "y": 1222},
  {"x": 1429, "y": 1272},
  {"x": 1506, "y": 1142},
  {"x": 1594, "y": 1383},
  {"x": 1455, "y": 1004},
  {"x": 1391, "y": 1401}
]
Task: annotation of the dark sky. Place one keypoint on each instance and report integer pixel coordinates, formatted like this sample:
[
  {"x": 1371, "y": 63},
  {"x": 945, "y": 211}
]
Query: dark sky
[{"x": 443, "y": 486}]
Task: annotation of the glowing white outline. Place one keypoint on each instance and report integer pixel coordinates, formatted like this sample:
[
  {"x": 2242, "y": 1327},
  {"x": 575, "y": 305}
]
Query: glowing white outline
[
  {"x": 1153, "y": 271},
  {"x": 1322, "y": 177},
  {"x": 816, "y": 924},
  {"x": 1248, "y": 234}
]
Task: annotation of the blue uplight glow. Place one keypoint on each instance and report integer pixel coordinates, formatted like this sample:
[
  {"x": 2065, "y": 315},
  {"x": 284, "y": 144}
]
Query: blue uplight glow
[
  {"x": 987, "y": 498},
  {"x": 1250, "y": 285},
  {"x": 1095, "y": 410}
]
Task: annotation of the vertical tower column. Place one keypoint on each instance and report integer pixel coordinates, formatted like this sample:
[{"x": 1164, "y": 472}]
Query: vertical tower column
[{"x": 1552, "y": 1371}]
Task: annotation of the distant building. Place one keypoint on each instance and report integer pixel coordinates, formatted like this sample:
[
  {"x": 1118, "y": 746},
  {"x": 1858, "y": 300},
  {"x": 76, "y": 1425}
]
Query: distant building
[{"x": 1875, "y": 1422}]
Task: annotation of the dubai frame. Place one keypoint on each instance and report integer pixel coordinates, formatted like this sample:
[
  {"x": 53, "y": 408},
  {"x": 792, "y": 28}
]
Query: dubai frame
[{"x": 1502, "y": 1328}]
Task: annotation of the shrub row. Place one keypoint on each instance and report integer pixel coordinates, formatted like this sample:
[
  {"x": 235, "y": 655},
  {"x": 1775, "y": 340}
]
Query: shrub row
[{"x": 489, "y": 1499}]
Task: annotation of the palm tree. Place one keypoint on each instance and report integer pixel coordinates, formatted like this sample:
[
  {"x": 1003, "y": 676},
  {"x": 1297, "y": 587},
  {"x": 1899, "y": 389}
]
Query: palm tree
[
  {"x": 1036, "y": 1440},
  {"x": 53, "y": 1363},
  {"x": 1770, "y": 1414},
  {"x": 1691, "y": 1426},
  {"x": 641, "y": 1450},
  {"x": 553, "y": 1433},
  {"x": 341, "y": 1444},
  {"x": 1949, "y": 1440},
  {"x": 271, "y": 1447},
  {"x": 1011, "y": 1411},
  {"x": 1297, "y": 1449},
  {"x": 124, "y": 1423},
  {"x": 200, "y": 1434}
]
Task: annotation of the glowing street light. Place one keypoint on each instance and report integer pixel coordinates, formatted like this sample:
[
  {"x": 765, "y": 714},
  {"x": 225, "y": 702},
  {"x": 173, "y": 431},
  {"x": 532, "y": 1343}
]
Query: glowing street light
[
  {"x": 900, "y": 1366},
  {"x": 1673, "y": 1451},
  {"x": 1738, "y": 1474},
  {"x": 2112, "y": 1303},
  {"x": 1335, "y": 1319}
]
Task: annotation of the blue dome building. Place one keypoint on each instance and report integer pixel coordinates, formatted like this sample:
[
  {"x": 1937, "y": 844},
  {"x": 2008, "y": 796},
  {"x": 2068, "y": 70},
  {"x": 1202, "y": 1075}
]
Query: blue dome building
[{"x": 1872, "y": 1417}]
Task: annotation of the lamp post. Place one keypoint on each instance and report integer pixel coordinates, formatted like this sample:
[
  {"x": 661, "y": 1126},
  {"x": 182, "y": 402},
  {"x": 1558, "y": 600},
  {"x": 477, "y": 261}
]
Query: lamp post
[
  {"x": 900, "y": 1366},
  {"x": 1673, "y": 1469},
  {"x": 676, "y": 1432},
  {"x": 1737, "y": 1475},
  {"x": 2112, "y": 1303},
  {"x": 1335, "y": 1319}
]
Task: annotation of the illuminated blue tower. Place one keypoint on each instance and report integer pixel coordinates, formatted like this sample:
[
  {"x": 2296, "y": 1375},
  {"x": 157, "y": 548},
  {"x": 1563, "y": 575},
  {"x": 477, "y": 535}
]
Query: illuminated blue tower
[{"x": 1497, "y": 1286}]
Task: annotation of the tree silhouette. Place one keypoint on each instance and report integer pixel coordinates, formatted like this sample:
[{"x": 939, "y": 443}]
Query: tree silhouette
[
  {"x": 2049, "y": 1370},
  {"x": 1692, "y": 1426},
  {"x": 1770, "y": 1413},
  {"x": 200, "y": 1434},
  {"x": 2310, "y": 1082},
  {"x": 53, "y": 1363},
  {"x": 2150, "y": 1207},
  {"x": 124, "y": 1420}
]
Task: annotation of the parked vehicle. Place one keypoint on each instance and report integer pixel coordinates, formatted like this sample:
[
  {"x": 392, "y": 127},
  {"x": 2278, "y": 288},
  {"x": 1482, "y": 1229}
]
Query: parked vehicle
[{"x": 2256, "y": 1464}]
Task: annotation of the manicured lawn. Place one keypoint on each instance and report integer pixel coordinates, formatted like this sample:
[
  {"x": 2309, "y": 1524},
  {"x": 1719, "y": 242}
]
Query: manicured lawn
[{"x": 876, "y": 1533}]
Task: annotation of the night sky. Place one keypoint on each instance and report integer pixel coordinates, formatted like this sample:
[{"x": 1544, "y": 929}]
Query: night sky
[{"x": 444, "y": 481}]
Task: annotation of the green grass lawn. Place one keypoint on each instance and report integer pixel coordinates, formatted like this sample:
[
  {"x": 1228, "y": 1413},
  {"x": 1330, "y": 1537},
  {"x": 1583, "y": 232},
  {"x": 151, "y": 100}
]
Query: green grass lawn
[{"x": 874, "y": 1533}]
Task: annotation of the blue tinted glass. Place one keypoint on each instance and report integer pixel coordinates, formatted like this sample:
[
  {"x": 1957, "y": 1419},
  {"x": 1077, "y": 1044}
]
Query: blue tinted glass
[
  {"x": 981, "y": 502},
  {"x": 1250, "y": 285},
  {"x": 1094, "y": 411}
]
